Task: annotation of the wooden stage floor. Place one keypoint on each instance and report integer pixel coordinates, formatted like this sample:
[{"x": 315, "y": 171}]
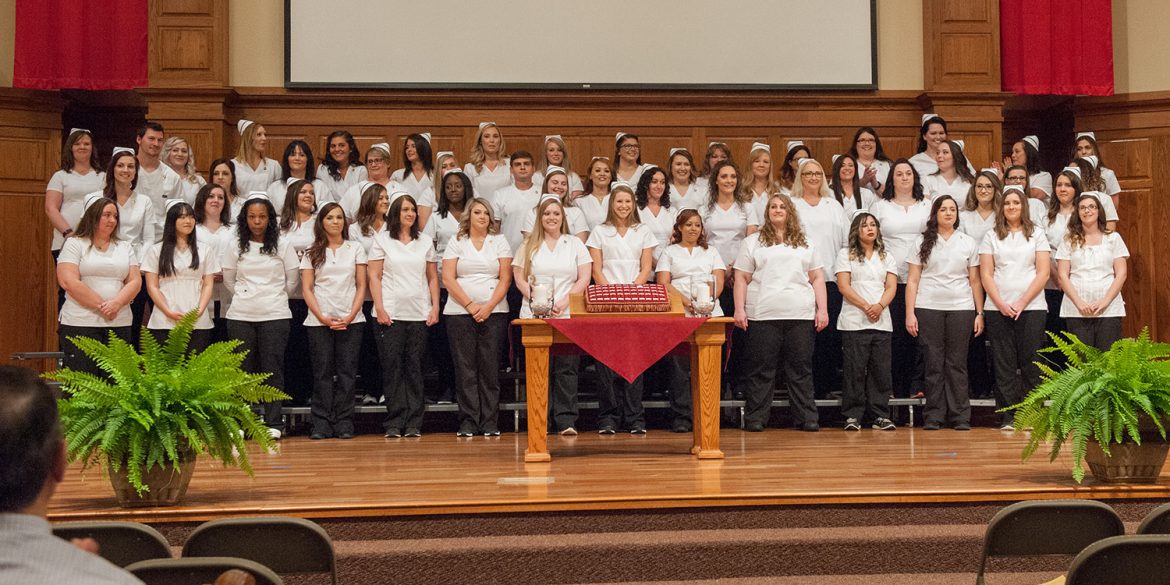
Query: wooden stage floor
[{"x": 442, "y": 474}]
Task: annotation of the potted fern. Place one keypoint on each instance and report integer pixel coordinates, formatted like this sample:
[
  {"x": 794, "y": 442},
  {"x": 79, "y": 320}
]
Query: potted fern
[
  {"x": 158, "y": 410},
  {"x": 1112, "y": 405}
]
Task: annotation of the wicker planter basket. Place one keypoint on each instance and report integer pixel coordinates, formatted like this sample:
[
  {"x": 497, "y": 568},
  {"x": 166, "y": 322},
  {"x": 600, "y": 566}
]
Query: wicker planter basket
[
  {"x": 1129, "y": 463},
  {"x": 167, "y": 484}
]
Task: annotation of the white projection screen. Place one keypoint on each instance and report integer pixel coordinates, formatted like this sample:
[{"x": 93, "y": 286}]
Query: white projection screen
[{"x": 583, "y": 44}]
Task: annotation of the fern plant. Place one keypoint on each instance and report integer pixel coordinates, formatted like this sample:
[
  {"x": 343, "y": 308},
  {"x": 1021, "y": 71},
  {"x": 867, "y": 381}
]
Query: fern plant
[
  {"x": 1099, "y": 395},
  {"x": 161, "y": 402}
]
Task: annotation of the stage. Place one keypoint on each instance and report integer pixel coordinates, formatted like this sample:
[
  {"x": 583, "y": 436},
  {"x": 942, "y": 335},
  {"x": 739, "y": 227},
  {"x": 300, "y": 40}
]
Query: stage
[{"x": 440, "y": 474}]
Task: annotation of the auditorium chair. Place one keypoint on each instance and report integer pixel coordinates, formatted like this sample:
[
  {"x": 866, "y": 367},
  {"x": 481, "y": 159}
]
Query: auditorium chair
[
  {"x": 1156, "y": 522},
  {"x": 1140, "y": 559},
  {"x": 198, "y": 571},
  {"x": 1047, "y": 527},
  {"x": 121, "y": 543},
  {"x": 285, "y": 545}
]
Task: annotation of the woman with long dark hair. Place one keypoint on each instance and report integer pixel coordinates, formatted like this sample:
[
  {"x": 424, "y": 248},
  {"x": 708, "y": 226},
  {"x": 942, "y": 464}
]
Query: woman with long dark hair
[
  {"x": 873, "y": 166},
  {"x": 848, "y": 188},
  {"x": 418, "y": 165},
  {"x": 952, "y": 177},
  {"x": 223, "y": 173},
  {"x": 595, "y": 202},
  {"x": 296, "y": 230},
  {"x": 342, "y": 168},
  {"x": 216, "y": 236},
  {"x": 333, "y": 282},
  {"x": 180, "y": 276},
  {"x": 1086, "y": 146},
  {"x": 297, "y": 164}
]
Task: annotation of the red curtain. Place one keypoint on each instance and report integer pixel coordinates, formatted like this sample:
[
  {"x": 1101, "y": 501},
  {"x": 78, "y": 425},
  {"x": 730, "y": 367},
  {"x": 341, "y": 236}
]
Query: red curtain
[
  {"x": 1060, "y": 47},
  {"x": 80, "y": 44}
]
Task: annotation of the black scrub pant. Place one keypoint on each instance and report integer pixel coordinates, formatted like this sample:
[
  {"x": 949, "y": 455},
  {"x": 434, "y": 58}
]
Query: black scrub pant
[
  {"x": 200, "y": 339},
  {"x": 620, "y": 401},
  {"x": 867, "y": 357},
  {"x": 771, "y": 345},
  {"x": 1098, "y": 332},
  {"x": 265, "y": 342},
  {"x": 906, "y": 365},
  {"x": 74, "y": 358},
  {"x": 298, "y": 369},
  {"x": 334, "y": 354},
  {"x": 401, "y": 346},
  {"x": 1014, "y": 346},
  {"x": 827, "y": 356},
  {"x": 475, "y": 350},
  {"x": 562, "y": 400},
  {"x": 943, "y": 337}
]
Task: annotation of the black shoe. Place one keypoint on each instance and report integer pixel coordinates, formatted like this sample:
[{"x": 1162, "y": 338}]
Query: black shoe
[
  {"x": 345, "y": 436},
  {"x": 491, "y": 432},
  {"x": 466, "y": 431},
  {"x": 638, "y": 430},
  {"x": 754, "y": 427},
  {"x": 318, "y": 436},
  {"x": 810, "y": 427},
  {"x": 412, "y": 433},
  {"x": 393, "y": 434},
  {"x": 931, "y": 426},
  {"x": 681, "y": 427},
  {"x": 963, "y": 427},
  {"x": 606, "y": 430}
]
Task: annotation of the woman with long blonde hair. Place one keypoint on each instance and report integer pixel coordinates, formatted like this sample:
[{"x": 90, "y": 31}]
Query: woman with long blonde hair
[{"x": 487, "y": 166}]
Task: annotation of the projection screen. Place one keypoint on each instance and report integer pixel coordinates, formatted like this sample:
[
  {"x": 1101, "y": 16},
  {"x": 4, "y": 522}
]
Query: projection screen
[{"x": 599, "y": 44}]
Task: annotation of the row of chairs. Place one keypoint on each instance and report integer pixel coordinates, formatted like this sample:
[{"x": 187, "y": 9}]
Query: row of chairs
[
  {"x": 265, "y": 547},
  {"x": 1088, "y": 529}
]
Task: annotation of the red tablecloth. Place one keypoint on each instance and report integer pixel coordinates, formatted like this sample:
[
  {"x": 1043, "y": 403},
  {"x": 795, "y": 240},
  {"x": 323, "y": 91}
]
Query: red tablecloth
[{"x": 627, "y": 345}]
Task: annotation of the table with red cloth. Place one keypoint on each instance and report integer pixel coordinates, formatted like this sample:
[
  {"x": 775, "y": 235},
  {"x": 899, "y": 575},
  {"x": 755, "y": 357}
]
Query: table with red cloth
[{"x": 628, "y": 345}]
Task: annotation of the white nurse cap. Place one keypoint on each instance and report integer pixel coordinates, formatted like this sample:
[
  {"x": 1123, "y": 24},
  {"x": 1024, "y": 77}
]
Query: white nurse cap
[
  {"x": 794, "y": 144},
  {"x": 120, "y": 149},
  {"x": 1086, "y": 135},
  {"x": 761, "y": 146},
  {"x": 1074, "y": 170},
  {"x": 1033, "y": 140},
  {"x": 242, "y": 125},
  {"x": 257, "y": 196},
  {"x": 94, "y": 198}
]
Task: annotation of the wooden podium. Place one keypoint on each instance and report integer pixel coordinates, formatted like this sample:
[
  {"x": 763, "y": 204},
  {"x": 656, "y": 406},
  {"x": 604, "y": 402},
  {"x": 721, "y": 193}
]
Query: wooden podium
[{"x": 705, "y": 344}]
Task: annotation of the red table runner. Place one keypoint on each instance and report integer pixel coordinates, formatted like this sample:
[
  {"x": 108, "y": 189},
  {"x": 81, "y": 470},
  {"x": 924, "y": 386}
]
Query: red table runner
[{"x": 627, "y": 345}]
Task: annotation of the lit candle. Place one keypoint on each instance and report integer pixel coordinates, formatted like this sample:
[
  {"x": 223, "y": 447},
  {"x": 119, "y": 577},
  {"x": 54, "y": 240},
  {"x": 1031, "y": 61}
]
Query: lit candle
[
  {"x": 703, "y": 294},
  {"x": 541, "y": 294}
]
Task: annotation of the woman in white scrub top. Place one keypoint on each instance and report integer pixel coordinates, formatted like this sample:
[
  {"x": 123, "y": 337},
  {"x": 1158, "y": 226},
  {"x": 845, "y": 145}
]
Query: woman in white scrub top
[
  {"x": 415, "y": 176},
  {"x": 180, "y": 276},
  {"x": 297, "y": 163},
  {"x": 930, "y": 136},
  {"x": 370, "y": 221},
  {"x": 1026, "y": 153},
  {"x": 1091, "y": 264},
  {"x": 556, "y": 154},
  {"x": 686, "y": 188},
  {"x": 595, "y": 202},
  {"x": 952, "y": 177},
  {"x": 99, "y": 273},
  {"x": 378, "y": 171},
  {"x": 977, "y": 214},
  {"x": 404, "y": 280},
  {"x": 254, "y": 170},
  {"x": 1086, "y": 145},
  {"x": 80, "y": 174},
  {"x": 296, "y": 230},
  {"x": 177, "y": 155},
  {"x": 717, "y": 152},
  {"x": 760, "y": 185},
  {"x": 847, "y": 187},
  {"x": 477, "y": 273},
  {"x": 796, "y": 152},
  {"x": 557, "y": 183},
  {"x": 1015, "y": 262},
  {"x": 655, "y": 208},
  {"x": 623, "y": 252},
  {"x": 456, "y": 191},
  {"x": 342, "y": 167},
  {"x": 551, "y": 252},
  {"x": 222, "y": 172},
  {"x": 487, "y": 166},
  {"x": 215, "y": 235},
  {"x": 627, "y": 156},
  {"x": 873, "y": 166},
  {"x": 780, "y": 303}
]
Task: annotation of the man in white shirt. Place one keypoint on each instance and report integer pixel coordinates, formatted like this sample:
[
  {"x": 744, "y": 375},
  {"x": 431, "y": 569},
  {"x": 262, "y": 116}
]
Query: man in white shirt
[
  {"x": 158, "y": 181},
  {"x": 32, "y": 463},
  {"x": 512, "y": 203}
]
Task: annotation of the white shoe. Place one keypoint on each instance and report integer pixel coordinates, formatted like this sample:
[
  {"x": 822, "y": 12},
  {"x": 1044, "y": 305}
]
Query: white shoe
[{"x": 274, "y": 433}]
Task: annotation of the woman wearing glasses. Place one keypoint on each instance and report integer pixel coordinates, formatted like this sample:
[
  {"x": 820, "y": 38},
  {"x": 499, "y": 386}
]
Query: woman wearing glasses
[
  {"x": 873, "y": 166},
  {"x": 378, "y": 170},
  {"x": 628, "y": 155}
]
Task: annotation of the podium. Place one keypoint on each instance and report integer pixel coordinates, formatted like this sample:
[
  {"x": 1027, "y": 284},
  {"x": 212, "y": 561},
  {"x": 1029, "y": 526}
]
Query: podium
[{"x": 705, "y": 344}]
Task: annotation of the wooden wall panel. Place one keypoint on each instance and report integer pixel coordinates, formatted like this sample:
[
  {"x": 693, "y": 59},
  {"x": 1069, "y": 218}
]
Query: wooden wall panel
[
  {"x": 188, "y": 43},
  {"x": 30, "y": 146},
  {"x": 962, "y": 45}
]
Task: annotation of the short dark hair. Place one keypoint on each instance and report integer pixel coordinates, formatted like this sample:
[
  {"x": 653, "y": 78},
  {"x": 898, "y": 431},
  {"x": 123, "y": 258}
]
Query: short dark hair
[
  {"x": 30, "y": 436},
  {"x": 148, "y": 125},
  {"x": 520, "y": 154}
]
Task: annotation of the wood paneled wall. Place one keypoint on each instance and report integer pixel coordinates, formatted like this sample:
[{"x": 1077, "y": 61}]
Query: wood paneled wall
[
  {"x": 30, "y": 152},
  {"x": 962, "y": 45},
  {"x": 1133, "y": 132},
  {"x": 189, "y": 43}
]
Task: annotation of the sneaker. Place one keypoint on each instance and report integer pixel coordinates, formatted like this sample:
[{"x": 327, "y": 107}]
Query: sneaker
[
  {"x": 810, "y": 427},
  {"x": 393, "y": 434},
  {"x": 275, "y": 433},
  {"x": 491, "y": 432},
  {"x": 317, "y": 436},
  {"x": 412, "y": 433},
  {"x": 852, "y": 424},
  {"x": 464, "y": 433},
  {"x": 931, "y": 426},
  {"x": 382, "y": 399},
  {"x": 681, "y": 427},
  {"x": 884, "y": 424},
  {"x": 345, "y": 436},
  {"x": 638, "y": 430},
  {"x": 754, "y": 427},
  {"x": 1008, "y": 426},
  {"x": 606, "y": 430},
  {"x": 569, "y": 432}
]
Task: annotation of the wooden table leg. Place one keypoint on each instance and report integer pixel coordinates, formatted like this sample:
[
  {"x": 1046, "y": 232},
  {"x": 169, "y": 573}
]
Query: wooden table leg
[
  {"x": 705, "y": 389},
  {"x": 536, "y": 350}
]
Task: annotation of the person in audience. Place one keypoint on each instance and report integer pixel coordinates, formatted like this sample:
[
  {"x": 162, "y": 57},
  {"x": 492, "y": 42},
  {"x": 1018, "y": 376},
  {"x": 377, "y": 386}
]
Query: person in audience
[
  {"x": 595, "y": 202},
  {"x": 223, "y": 173},
  {"x": 176, "y": 153},
  {"x": 780, "y": 303},
  {"x": 1091, "y": 267},
  {"x": 868, "y": 281},
  {"x": 944, "y": 307},
  {"x": 1026, "y": 153},
  {"x": 902, "y": 212},
  {"x": 557, "y": 183},
  {"x": 333, "y": 282},
  {"x": 342, "y": 168},
  {"x": 487, "y": 166},
  {"x": 296, "y": 230},
  {"x": 873, "y": 166},
  {"x": 98, "y": 270},
  {"x": 1014, "y": 263},
  {"x": 826, "y": 227},
  {"x": 556, "y": 154},
  {"x": 1086, "y": 146},
  {"x": 80, "y": 174},
  {"x": 371, "y": 220},
  {"x": 155, "y": 180},
  {"x": 551, "y": 252},
  {"x": 215, "y": 235},
  {"x": 415, "y": 176},
  {"x": 297, "y": 164},
  {"x": 511, "y": 203},
  {"x": 931, "y": 135},
  {"x": 687, "y": 264},
  {"x": 622, "y": 250},
  {"x": 378, "y": 171},
  {"x": 761, "y": 185},
  {"x": 254, "y": 171},
  {"x": 405, "y": 286},
  {"x": 795, "y": 152},
  {"x": 627, "y": 157},
  {"x": 685, "y": 186},
  {"x": 259, "y": 272},
  {"x": 33, "y": 457},
  {"x": 180, "y": 277},
  {"x": 656, "y": 210},
  {"x": 477, "y": 273},
  {"x": 952, "y": 177},
  {"x": 847, "y": 187}
]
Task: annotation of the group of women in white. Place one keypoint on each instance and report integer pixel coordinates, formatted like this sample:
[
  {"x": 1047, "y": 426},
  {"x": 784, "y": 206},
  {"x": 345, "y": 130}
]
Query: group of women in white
[{"x": 857, "y": 267}]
